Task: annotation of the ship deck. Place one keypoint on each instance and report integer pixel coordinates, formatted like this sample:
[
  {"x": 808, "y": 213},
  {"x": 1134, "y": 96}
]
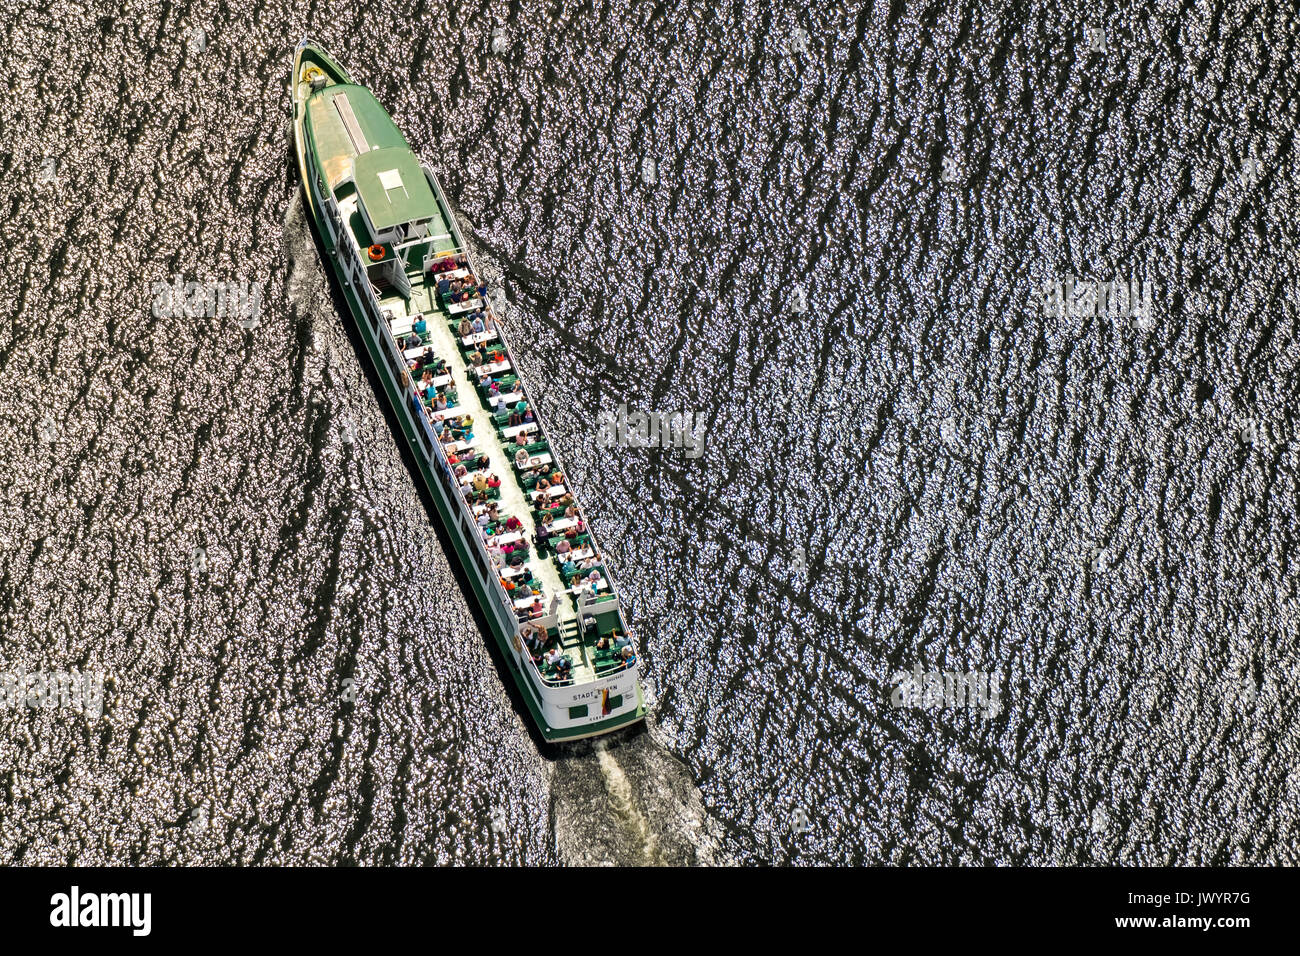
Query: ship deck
[{"x": 493, "y": 439}]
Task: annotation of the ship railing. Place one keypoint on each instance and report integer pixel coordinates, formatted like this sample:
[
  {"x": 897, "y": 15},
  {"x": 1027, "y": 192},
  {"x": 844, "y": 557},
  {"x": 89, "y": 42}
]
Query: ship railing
[
  {"x": 532, "y": 666},
  {"x": 537, "y": 413},
  {"x": 612, "y": 669},
  {"x": 542, "y": 678},
  {"x": 331, "y": 214},
  {"x": 602, "y": 554}
]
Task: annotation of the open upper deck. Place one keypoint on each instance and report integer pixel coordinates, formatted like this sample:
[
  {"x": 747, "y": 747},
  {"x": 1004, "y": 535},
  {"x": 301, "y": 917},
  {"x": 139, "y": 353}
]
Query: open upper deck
[
  {"x": 461, "y": 377},
  {"x": 415, "y": 294},
  {"x": 508, "y": 475}
]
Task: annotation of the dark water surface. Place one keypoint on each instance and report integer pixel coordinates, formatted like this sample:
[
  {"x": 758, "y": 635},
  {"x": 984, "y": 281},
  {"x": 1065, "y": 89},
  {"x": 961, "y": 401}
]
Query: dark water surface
[{"x": 825, "y": 230}]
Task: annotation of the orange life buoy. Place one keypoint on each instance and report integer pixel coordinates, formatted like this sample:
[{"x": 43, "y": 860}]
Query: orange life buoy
[{"x": 376, "y": 253}]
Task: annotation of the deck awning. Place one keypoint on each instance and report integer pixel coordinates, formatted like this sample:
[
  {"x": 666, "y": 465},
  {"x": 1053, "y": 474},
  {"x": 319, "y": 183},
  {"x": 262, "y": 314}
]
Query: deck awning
[{"x": 392, "y": 188}]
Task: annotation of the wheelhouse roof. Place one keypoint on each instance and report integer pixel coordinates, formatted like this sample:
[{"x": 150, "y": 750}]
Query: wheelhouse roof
[
  {"x": 392, "y": 188},
  {"x": 353, "y": 133}
]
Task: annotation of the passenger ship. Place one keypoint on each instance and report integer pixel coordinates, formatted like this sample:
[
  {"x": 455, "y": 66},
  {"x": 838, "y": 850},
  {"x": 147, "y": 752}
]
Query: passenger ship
[{"x": 478, "y": 440}]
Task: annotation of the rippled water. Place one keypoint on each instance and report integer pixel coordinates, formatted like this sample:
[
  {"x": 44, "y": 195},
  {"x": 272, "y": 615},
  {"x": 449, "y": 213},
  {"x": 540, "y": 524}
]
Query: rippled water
[{"x": 827, "y": 231}]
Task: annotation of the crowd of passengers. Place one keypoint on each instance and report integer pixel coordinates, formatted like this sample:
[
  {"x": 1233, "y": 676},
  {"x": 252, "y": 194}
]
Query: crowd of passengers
[
  {"x": 481, "y": 483},
  {"x": 460, "y": 288},
  {"x": 544, "y": 648}
]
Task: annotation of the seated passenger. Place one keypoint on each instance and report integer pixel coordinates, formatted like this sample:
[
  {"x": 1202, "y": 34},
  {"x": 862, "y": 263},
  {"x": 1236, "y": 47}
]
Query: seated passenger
[
  {"x": 517, "y": 415},
  {"x": 621, "y": 640},
  {"x": 477, "y": 325},
  {"x": 629, "y": 657},
  {"x": 494, "y": 482},
  {"x": 560, "y": 662},
  {"x": 536, "y": 610}
]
